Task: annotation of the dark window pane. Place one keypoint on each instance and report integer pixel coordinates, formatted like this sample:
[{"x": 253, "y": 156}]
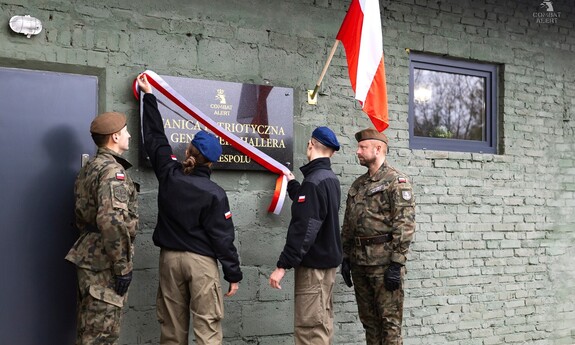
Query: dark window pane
[{"x": 448, "y": 105}]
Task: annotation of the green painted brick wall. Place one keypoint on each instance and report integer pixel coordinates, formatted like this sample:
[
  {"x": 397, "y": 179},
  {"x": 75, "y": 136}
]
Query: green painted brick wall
[{"x": 491, "y": 260}]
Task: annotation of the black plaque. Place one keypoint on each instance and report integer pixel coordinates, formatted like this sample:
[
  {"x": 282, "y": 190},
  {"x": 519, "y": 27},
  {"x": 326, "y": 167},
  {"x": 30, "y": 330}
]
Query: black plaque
[{"x": 261, "y": 115}]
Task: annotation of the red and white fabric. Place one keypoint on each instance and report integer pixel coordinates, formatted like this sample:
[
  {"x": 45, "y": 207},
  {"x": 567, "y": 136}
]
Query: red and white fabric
[
  {"x": 361, "y": 35},
  {"x": 258, "y": 156}
]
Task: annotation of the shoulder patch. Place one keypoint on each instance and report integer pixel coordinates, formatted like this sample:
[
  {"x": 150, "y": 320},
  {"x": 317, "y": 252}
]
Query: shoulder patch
[
  {"x": 228, "y": 215},
  {"x": 120, "y": 193},
  {"x": 401, "y": 180},
  {"x": 120, "y": 176},
  {"x": 301, "y": 198},
  {"x": 406, "y": 195},
  {"x": 173, "y": 157}
]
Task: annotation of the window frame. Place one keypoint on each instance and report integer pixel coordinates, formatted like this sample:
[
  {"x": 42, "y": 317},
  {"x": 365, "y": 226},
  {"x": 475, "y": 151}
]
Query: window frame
[{"x": 448, "y": 65}]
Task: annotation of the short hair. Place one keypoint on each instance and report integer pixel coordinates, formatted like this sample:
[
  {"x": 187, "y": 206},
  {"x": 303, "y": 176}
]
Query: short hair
[
  {"x": 323, "y": 148},
  {"x": 101, "y": 140}
]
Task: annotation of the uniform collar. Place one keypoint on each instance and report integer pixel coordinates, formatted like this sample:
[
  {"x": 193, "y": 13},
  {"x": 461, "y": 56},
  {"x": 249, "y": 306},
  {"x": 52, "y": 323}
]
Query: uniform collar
[
  {"x": 316, "y": 164},
  {"x": 116, "y": 156},
  {"x": 379, "y": 174},
  {"x": 202, "y": 171}
]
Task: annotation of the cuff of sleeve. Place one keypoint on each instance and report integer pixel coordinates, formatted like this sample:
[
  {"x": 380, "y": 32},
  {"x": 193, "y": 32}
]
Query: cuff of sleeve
[
  {"x": 234, "y": 278},
  {"x": 399, "y": 258},
  {"x": 280, "y": 264},
  {"x": 123, "y": 268},
  {"x": 293, "y": 182}
]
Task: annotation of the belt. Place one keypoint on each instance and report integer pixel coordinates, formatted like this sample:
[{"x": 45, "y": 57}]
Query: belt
[
  {"x": 91, "y": 228},
  {"x": 366, "y": 241}
]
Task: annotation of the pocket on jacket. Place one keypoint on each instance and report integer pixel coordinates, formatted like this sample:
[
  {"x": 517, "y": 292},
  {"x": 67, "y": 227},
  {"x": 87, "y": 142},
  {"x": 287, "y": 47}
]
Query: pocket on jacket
[
  {"x": 377, "y": 254},
  {"x": 313, "y": 227}
]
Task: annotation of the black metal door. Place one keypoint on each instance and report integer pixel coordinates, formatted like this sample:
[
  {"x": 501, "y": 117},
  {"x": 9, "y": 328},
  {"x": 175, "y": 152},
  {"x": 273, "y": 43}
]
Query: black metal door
[{"x": 44, "y": 130}]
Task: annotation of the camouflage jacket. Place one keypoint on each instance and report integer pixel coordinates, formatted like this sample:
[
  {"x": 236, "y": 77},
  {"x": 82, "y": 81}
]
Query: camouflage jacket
[
  {"x": 380, "y": 205},
  {"x": 106, "y": 214}
]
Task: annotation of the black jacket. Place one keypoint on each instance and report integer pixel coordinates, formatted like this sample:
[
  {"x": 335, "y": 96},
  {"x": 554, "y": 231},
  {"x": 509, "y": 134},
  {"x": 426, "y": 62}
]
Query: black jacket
[
  {"x": 313, "y": 238},
  {"x": 193, "y": 211}
]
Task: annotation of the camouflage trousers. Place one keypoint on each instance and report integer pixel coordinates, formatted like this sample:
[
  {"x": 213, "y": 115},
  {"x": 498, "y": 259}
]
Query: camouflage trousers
[
  {"x": 99, "y": 308},
  {"x": 380, "y": 311}
]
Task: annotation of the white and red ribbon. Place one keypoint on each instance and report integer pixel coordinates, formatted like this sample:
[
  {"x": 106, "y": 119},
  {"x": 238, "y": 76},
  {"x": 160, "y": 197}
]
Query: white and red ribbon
[{"x": 258, "y": 156}]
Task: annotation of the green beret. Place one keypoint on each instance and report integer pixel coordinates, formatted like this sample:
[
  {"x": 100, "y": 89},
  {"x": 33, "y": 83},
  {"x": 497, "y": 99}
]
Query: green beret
[
  {"x": 108, "y": 123},
  {"x": 370, "y": 134}
]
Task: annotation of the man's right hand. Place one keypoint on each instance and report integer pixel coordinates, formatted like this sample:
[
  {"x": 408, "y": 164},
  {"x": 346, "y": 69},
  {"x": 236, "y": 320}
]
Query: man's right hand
[
  {"x": 276, "y": 277},
  {"x": 143, "y": 83},
  {"x": 346, "y": 272}
]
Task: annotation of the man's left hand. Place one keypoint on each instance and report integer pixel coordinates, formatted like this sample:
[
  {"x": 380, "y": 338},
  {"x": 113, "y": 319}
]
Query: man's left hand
[
  {"x": 232, "y": 289},
  {"x": 122, "y": 283},
  {"x": 392, "y": 276}
]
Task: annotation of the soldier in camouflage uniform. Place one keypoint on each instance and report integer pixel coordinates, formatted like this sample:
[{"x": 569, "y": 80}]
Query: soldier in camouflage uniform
[
  {"x": 107, "y": 217},
  {"x": 378, "y": 227}
]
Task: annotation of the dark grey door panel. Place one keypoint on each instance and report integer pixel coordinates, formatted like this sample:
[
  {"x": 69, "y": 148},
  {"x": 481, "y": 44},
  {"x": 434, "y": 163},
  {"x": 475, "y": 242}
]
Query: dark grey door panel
[{"x": 44, "y": 129}]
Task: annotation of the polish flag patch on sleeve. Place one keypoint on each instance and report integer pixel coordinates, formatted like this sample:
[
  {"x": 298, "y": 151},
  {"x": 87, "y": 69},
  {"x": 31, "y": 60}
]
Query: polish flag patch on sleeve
[
  {"x": 301, "y": 198},
  {"x": 401, "y": 180},
  {"x": 120, "y": 176},
  {"x": 228, "y": 215},
  {"x": 173, "y": 157}
]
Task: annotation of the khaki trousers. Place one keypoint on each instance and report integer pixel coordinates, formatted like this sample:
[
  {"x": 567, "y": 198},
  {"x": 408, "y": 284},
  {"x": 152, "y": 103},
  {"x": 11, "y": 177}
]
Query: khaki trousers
[
  {"x": 189, "y": 283},
  {"x": 314, "y": 305}
]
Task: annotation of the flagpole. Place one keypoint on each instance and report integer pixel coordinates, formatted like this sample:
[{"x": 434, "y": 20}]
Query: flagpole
[{"x": 314, "y": 92}]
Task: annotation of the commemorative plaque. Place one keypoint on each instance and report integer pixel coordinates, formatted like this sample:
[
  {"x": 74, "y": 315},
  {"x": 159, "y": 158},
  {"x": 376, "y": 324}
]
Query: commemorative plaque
[{"x": 261, "y": 115}]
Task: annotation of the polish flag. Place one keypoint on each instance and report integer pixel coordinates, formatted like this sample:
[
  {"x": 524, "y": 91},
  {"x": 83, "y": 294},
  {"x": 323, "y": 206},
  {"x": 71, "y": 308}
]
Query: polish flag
[{"x": 360, "y": 34}]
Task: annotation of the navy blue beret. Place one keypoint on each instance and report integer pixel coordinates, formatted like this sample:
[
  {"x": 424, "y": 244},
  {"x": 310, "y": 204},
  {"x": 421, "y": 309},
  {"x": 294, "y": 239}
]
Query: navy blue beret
[
  {"x": 327, "y": 137},
  {"x": 208, "y": 145}
]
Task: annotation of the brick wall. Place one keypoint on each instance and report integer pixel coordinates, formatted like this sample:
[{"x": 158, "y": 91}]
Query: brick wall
[{"x": 491, "y": 260}]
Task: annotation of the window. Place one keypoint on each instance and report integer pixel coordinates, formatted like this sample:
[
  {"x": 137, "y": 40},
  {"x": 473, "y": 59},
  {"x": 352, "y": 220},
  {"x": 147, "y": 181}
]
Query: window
[{"x": 452, "y": 104}]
